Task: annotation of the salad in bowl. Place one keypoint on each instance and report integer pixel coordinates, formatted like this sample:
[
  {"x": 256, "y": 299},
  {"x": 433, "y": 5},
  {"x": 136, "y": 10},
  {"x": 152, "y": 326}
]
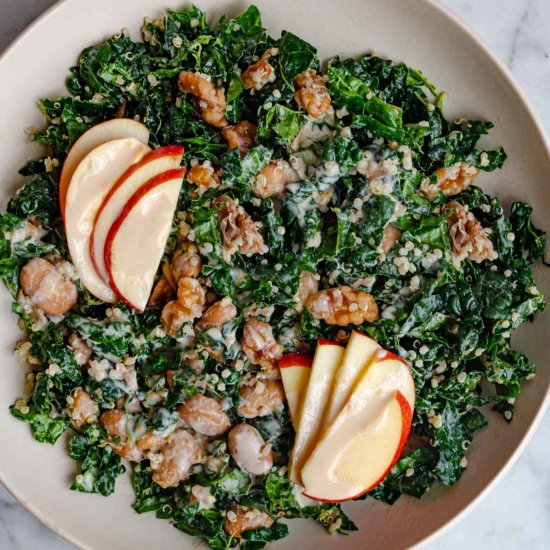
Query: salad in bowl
[{"x": 263, "y": 285}]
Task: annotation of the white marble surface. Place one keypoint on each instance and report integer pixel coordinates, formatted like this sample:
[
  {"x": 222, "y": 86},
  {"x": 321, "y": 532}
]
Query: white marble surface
[{"x": 516, "y": 515}]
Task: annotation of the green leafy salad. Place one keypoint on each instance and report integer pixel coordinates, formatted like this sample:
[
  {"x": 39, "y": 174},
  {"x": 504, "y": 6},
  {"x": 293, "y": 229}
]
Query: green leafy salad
[{"x": 315, "y": 201}]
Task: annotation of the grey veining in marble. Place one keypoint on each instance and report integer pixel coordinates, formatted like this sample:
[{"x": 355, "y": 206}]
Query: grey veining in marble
[{"x": 516, "y": 515}]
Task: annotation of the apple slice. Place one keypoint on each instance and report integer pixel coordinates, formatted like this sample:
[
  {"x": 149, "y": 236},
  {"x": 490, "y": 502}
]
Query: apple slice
[
  {"x": 327, "y": 359},
  {"x": 136, "y": 241},
  {"x": 360, "y": 351},
  {"x": 117, "y": 128},
  {"x": 153, "y": 163},
  {"x": 360, "y": 447},
  {"x": 295, "y": 370},
  {"x": 91, "y": 181}
]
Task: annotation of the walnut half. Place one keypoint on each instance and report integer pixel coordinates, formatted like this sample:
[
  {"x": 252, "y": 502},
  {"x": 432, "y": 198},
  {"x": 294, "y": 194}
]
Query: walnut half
[
  {"x": 342, "y": 306},
  {"x": 240, "y": 232}
]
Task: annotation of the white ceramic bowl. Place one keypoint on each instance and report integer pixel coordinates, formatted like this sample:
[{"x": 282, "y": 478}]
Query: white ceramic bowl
[{"x": 418, "y": 32}]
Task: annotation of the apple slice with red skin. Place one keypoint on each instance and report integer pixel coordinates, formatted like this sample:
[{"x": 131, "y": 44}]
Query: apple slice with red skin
[
  {"x": 153, "y": 163},
  {"x": 406, "y": 415},
  {"x": 109, "y": 130},
  {"x": 91, "y": 181},
  {"x": 295, "y": 360},
  {"x": 136, "y": 241},
  {"x": 327, "y": 358},
  {"x": 360, "y": 447},
  {"x": 295, "y": 371},
  {"x": 360, "y": 351}
]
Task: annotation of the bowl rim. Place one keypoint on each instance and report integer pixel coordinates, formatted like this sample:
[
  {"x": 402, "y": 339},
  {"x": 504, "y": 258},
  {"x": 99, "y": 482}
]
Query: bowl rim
[{"x": 534, "y": 118}]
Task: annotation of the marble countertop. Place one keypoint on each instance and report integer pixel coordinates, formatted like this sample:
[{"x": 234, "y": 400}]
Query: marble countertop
[{"x": 515, "y": 514}]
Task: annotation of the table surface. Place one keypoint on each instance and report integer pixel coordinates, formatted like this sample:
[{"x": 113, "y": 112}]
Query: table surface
[{"x": 515, "y": 514}]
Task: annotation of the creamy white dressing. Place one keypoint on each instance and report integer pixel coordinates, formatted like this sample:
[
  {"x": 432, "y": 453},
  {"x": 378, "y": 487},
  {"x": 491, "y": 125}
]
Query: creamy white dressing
[
  {"x": 230, "y": 484},
  {"x": 40, "y": 320},
  {"x": 203, "y": 496},
  {"x": 166, "y": 420},
  {"x": 215, "y": 334},
  {"x": 289, "y": 336},
  {"x": 328, "y": 172},
  {"x": 26, "y": 232},
  {"x": 311, "y": 133},
  {"x": 136, "y": 428},
  {"x": 272, "y": 427},
  {"x": 87, "y": 481},
  {"x": 111, "y": 330},
  {"x": 231, "y": 338},
  {"x": 300, "y": 209}
]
